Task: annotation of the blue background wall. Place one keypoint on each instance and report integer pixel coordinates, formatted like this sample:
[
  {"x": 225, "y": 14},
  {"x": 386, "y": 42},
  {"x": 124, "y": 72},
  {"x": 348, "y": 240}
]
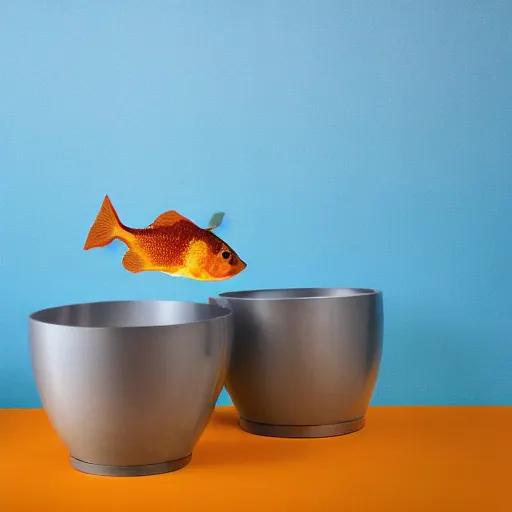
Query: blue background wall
[{"x": 350, "y": 143}]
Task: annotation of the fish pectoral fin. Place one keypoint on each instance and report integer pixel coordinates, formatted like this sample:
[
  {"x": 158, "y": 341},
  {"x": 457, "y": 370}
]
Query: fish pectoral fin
[
  {"x": 168, "y": 219},
  {"x": 215, "y": 221},
  {"x": 133, "y": 262},
  {"x": 196, "y": 272}
]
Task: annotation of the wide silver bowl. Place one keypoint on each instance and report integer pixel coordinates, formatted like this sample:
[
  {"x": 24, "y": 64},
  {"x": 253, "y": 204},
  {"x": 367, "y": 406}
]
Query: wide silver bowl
[
  {"x": 304, "y": 362},
  {"x": 129, "y": 386}
]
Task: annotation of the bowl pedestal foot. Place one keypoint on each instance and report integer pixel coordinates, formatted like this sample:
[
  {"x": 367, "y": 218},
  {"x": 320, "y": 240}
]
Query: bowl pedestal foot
[
  {"x": 145, "y": 470},
  {"x": 302, "y": 431}
]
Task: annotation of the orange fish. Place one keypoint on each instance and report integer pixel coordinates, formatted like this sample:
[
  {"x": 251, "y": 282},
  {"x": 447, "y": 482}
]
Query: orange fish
[{"x": 173, "y": 245}]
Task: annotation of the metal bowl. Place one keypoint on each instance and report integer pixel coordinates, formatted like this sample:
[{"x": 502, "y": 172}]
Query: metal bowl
[
  {"x": 304, "y": 362},
  {"x": 129, "y": 386}
]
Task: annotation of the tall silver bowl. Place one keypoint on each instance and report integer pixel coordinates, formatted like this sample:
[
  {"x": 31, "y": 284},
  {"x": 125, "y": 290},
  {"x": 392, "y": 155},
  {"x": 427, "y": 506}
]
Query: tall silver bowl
[
  {"x": 129, "y": 386},
  {"x": 304, "y": 362}
]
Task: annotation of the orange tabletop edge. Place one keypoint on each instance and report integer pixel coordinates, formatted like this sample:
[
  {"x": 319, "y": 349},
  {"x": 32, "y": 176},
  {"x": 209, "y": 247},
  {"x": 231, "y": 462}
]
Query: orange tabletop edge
[{"x": 406, "y": 458}]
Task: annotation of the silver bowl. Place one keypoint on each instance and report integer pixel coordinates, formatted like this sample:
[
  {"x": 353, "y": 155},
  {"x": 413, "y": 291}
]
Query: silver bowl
[
  {"x": 129, "y": 386},
  {"x": 304, "y": 362}
]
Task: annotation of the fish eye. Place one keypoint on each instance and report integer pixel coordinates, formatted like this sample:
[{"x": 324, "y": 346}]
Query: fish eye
[{"x": 226, "y": 255}]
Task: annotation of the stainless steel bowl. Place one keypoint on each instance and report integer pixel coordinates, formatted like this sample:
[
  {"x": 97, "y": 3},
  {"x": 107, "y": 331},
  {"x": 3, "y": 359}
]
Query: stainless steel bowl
[
  {"x": 304, "y": 362},
  {"x": 130, "y": 386}
]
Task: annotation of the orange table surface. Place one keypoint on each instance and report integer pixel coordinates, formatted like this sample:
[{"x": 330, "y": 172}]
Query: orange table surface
[{"x": 406, "y": 458}]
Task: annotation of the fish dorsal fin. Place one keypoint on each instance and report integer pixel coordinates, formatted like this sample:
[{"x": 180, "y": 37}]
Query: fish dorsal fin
[{"x": 168, "y": 219}]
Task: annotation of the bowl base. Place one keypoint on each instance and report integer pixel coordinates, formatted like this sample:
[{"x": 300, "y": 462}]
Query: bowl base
[
  {"x": 301, "y": 431},
  {"x": 145, "y": 470}
]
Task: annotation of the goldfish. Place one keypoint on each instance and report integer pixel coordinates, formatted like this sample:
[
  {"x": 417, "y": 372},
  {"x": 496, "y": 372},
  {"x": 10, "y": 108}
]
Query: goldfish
[{"x": 172, "y": 244}]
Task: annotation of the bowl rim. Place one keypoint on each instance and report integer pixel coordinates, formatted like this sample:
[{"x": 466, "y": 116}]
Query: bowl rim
[
  {"x": 360, "y": 292},
  {"x": 33, "y": 317}
]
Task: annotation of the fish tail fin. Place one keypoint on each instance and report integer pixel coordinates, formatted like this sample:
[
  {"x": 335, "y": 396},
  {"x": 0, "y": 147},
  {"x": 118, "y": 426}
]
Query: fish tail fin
[{"x": 106, "y": 228}]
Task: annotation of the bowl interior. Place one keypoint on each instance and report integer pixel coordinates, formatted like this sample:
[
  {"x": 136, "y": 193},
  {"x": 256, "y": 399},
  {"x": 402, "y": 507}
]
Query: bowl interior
[
  {"x": 120, "y": 314},
  {"x": 299, "y": 293}
]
